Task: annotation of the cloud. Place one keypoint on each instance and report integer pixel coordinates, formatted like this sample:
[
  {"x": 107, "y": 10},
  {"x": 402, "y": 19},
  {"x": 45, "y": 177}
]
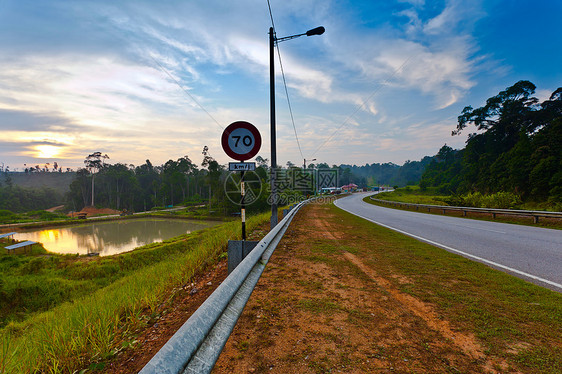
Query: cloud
[
  {"x": 11, "y": 120},
  {"x": 91, "y": 71},
  {"x": 417, "y": 3},
  {"x": 434, "y": 55}
]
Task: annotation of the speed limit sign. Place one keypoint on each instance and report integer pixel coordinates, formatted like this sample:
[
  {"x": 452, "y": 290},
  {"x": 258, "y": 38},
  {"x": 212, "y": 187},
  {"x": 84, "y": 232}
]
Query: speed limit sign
[{"x": 241, "y": 140}]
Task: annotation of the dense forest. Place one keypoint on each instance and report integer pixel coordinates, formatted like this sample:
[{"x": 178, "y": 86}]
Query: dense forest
[
  {"x": 517, "y": 148},
  {"x": 120, "y": 186},
  {"x": 21, "y": 199},
  {"x": 384, "y": 174},
  {"x": 143, "y": 187}
]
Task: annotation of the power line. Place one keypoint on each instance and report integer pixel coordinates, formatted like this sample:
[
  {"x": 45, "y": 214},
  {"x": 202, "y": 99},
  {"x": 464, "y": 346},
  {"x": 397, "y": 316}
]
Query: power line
[
  {"x": 363, "y": 104},
  {"x": 289, "y": 102},
  {"x": 187, "y": 92},
  {"x": 271, "y": 15},
  {"x": 285, "y": 83}
]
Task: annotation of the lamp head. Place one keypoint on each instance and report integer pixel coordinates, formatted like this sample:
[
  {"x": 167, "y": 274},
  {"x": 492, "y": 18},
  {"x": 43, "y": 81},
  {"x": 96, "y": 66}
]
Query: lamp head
[{"x": 317, "y": 31}]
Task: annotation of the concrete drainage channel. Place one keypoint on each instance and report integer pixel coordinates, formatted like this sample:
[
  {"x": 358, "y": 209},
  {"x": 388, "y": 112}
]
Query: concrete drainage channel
[{"x": 196, "y": 346}]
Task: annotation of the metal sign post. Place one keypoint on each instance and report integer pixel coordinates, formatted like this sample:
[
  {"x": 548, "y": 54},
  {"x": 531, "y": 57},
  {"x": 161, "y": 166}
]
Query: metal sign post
[
  {"x": 242, "y": 206},
  {"x": 241, "y": 141}
]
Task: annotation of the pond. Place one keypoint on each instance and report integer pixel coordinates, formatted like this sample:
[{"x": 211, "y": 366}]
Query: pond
[{"x": 112, "y": 237}]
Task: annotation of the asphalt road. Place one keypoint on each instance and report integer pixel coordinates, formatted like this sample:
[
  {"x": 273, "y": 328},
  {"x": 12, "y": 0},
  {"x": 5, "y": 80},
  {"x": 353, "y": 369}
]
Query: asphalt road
[{"x": 531, "y": 253}]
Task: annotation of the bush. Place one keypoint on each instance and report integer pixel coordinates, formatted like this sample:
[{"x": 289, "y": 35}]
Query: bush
[
  {"x": 193, "y": 199},
  {"x": 44, "y": 215},
  {"x": 499, "y": 200},
  {"x": 7, "y": 216}
]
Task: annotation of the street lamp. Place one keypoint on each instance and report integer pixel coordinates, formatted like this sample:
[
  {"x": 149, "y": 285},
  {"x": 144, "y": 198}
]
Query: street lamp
[
  {"x": 274, "y": 40},
  {"x": 304, "y": 164}
]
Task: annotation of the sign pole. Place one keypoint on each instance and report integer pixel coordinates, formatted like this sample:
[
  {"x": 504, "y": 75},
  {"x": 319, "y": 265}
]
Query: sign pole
[
  {"x": 241, "y": 141},
  {"x": 243, "y": 207}
]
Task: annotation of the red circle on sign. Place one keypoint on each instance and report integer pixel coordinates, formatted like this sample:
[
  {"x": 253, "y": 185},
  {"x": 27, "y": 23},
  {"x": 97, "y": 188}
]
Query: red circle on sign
[{"x": 241, "y": 147}]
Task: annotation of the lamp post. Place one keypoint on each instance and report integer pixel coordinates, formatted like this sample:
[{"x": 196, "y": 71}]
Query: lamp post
[
  {"x": 314, "y": 179},
  {"x": 274, "y": 40},
  {"x": 304, "y": 164}
]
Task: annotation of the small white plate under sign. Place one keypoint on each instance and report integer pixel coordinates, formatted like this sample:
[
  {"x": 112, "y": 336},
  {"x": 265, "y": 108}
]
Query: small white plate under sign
[{"x": 241, "y": 166}]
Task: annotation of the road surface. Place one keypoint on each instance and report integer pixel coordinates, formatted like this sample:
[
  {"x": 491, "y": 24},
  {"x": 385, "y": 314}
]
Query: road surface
[{"x": 531, "y": 253}]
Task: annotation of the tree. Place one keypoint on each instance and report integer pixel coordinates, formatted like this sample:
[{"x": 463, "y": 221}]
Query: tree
[
  {"x": 187, "y": 168},
  {"x": 262, "y": 162},
  {"x": 80, "y": 189},
  {"x": 512, "y": 104},
  {"x": 95, "y": 161},
  {"x": 214, "y": 171},
  {"x": 148, "y": 180},
  {"x": 121, "y": 184},
  {"x": 517, "y": 148}
]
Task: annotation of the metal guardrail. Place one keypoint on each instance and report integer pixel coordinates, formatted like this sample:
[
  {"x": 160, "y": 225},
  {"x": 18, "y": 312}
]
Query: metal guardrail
[
  {"x": 196, "y": 346},
  {"x": 464, "y": 209}
]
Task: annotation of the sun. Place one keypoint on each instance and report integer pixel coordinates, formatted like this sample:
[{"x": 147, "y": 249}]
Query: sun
[{"x": 47, "y": 151}]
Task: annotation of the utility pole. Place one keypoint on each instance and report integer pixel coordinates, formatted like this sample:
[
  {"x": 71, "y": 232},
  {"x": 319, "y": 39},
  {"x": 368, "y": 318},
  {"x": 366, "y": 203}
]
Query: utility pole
[
  {"x": 273, "y": 40},
  {"x": 273, "y": 172}
]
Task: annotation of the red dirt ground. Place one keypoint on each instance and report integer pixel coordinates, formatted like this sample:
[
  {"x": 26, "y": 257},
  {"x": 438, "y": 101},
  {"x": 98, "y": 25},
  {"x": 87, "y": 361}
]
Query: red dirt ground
[
  {"x": 93, "y": 211},
  {"x": 319, "y": 308}
]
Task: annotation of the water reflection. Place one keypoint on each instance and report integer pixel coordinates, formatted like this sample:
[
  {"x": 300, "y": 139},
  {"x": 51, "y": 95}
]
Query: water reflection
[{"x": 108, "y": 238}]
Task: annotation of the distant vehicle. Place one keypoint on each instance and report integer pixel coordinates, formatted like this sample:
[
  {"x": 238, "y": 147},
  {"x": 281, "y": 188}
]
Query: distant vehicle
[{"x": 330, "y": 190}]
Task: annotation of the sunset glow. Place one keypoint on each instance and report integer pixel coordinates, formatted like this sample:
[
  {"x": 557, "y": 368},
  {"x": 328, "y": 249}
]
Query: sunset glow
[{"x": 47, "y": 151}]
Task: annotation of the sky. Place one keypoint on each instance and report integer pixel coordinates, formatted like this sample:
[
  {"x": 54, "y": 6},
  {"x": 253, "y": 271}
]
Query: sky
[{"x": 160, "y": 80}]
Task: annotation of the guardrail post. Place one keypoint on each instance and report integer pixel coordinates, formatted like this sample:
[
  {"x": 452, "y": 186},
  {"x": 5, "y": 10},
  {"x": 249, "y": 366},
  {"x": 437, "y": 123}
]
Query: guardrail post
[
  {"x": 526, "y": 213},
  {"x": 237, "y": 251}
]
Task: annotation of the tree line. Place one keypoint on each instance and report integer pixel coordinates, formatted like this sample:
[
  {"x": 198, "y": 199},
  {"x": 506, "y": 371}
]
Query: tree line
[
  {"x": 125, "y": 186},
  {"x": 517, "y": 148},
  {"x": 384, "y": 174},
  {"x": 20, "y": 199},
  {"x": 120, "y": 186}
]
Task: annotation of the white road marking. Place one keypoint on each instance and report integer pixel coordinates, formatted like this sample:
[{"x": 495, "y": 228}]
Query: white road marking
[
  {"x": 476, "y": 228},
  {"x": 489, "y": 262}
]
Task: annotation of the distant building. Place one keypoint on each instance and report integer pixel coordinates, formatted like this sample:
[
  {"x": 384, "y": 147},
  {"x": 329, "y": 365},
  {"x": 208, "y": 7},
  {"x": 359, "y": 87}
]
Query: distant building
[{"x": 349, "y": 187}]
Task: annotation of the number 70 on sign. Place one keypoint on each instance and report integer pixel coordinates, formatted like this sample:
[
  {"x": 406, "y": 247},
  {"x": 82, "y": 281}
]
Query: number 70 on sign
[{"x": 241, "y": 140}]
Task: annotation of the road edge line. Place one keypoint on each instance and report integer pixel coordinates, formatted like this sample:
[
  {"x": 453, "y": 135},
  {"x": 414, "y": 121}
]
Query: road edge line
[{"x": 443, "y": 246}]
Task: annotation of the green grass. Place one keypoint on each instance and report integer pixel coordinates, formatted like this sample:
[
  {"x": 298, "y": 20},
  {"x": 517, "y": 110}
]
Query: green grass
[
  {"x": 38, "y": 281},
  {"x": 432, "y": 196},
  {"x": 501, "y": 310},
  {"x": 415, "y": 196},
  {"x": 8, "y": 217},
  {"x": 319, "y": 306},
  {"x": 83, "y": 330}
]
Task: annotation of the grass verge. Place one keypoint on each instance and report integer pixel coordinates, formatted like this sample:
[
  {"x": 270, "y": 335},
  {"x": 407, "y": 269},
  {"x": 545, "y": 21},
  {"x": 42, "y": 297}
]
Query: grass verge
[
  {"x": 546, "y": 222},
  {"x": 91, "y": 328},
  {"x": 515, "y": 321}
]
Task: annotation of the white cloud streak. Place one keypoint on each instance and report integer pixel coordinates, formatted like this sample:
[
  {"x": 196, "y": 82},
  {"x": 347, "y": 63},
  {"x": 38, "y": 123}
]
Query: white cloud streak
[{"x": 97, "y": 76}]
